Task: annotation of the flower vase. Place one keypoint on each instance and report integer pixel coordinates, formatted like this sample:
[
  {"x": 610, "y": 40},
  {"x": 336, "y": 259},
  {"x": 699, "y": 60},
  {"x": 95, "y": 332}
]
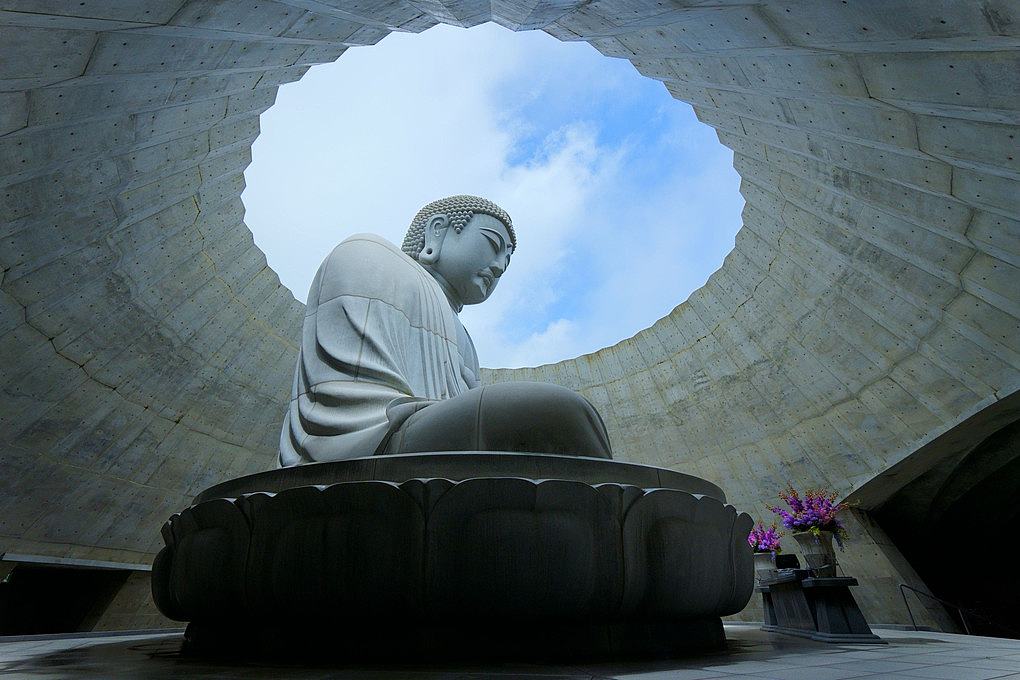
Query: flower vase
[
  {"x": 818, "y": 551},
  {"x": 765, "y": 565}
]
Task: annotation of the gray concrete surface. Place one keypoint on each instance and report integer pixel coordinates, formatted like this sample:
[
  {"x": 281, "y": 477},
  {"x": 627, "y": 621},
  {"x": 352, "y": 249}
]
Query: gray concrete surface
[
  {"x": 751, "y": 653},
  {"x": 869, "y": 306}
]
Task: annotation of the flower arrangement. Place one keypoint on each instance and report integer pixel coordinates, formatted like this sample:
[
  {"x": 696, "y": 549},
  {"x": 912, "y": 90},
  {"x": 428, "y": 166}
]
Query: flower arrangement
[
  {"x": 816, "y": 512},
  {"x": 765, "y": 540}
]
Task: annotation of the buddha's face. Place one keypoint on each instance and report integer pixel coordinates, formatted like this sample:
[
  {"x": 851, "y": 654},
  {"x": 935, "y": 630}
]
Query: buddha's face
[{"x": 472, "y": 260}]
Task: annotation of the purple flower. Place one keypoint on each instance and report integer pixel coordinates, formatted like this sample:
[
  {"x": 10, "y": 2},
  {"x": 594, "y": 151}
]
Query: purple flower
[
  {"x": 816, "y": 511},
  {"x": 762, "y": 539}
]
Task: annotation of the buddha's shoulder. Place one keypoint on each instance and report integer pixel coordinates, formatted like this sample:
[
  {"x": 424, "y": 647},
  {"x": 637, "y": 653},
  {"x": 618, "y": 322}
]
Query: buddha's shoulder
[
  {"x": 368, "y": 243},
  {"x": 363, "y": 263},
  {"x": 366, "y": 251}
]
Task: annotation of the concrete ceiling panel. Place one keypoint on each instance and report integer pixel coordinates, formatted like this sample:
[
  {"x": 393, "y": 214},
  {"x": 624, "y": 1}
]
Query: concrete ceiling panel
[{"x": 869, "y": 304}]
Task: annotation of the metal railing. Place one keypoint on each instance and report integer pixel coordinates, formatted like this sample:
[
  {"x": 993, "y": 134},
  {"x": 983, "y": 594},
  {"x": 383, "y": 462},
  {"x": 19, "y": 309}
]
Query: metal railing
[{"x": 960, "y": 610}]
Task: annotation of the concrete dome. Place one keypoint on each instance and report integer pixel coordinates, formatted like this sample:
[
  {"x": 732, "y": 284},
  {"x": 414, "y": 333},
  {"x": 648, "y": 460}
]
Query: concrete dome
[{"x": 863, "y": 330}]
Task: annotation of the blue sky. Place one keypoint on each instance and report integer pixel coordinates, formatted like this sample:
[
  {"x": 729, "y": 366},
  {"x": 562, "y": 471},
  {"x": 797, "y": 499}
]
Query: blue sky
[{"x": 623, "y": 202}]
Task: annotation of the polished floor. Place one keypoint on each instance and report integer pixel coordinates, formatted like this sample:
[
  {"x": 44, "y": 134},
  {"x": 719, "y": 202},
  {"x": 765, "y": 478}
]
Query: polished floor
[{"x": 751, "y": 653}]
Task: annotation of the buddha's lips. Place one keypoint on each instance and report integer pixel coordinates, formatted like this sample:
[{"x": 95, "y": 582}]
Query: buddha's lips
[{"x": 488, "y": 278}]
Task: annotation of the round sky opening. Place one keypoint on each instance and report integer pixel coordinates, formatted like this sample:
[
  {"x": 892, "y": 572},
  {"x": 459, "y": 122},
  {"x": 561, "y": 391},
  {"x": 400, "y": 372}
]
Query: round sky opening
[{"x": 624, "y": 203}]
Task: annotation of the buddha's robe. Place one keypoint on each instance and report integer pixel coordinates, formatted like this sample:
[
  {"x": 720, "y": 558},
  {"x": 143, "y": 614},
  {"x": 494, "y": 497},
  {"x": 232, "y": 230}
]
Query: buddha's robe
[{"x": 379, "y": 342}]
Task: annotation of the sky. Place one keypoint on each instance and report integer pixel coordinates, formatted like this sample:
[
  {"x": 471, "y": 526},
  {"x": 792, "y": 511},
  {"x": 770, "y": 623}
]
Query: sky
[{"x": 623, "y": 202}]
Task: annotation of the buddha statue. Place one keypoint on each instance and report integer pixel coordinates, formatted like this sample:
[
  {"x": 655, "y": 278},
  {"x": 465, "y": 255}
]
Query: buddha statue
[
  {"x": 386, "y": 366},
  {"x": 435, "y": 523}
]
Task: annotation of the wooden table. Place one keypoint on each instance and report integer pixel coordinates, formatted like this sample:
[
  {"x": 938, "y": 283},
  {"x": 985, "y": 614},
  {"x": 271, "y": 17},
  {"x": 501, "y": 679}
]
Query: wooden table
[{"x": 823, "y": 609}]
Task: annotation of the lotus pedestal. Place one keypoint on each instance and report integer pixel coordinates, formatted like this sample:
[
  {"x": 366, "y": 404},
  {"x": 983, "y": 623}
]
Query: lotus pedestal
[{"x": 457, "y": 555}]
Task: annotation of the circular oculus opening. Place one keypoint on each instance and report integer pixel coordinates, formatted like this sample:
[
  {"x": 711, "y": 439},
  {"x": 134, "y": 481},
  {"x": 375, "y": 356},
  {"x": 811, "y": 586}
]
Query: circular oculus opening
[{"x": 624, "y": 203}]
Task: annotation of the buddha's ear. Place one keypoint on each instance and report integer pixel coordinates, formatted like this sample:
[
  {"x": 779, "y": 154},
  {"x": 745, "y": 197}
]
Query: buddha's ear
[{"x": 435, "y": 232}]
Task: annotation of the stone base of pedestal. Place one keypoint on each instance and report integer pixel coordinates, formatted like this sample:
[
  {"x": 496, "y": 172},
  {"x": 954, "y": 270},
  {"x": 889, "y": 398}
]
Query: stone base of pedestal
[
  {"x": 584, "y": 558},
  {"x": 820, "y": 609},
  {"x": 325, "y": 641}
]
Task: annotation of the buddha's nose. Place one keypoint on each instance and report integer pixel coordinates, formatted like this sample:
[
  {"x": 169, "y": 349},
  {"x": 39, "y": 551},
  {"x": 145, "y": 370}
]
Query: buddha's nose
[{"x": 497, "y": 268}]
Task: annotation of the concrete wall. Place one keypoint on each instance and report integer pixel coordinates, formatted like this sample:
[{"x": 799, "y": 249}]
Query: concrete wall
[{"x": 869, "y": 306}]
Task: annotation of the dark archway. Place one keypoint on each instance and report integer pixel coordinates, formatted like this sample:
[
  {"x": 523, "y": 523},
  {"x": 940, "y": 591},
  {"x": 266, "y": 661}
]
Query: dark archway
[
  {"x": 956, "y": 525},
  {"x": 37, "y": 599}
]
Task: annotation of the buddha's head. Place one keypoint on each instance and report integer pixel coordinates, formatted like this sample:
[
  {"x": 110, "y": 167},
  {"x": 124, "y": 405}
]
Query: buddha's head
[{"x": 465, "y": 243}]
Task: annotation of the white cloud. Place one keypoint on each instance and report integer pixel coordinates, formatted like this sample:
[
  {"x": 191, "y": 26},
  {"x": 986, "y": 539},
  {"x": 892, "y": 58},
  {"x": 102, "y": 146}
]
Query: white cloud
[
  {"x": 547, "y": 343},
  {"x": 621, "y": 212}
]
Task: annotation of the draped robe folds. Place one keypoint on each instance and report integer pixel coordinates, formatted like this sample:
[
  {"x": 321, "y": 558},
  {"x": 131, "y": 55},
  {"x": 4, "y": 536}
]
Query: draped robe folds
[{"x": 379, "y": 342}]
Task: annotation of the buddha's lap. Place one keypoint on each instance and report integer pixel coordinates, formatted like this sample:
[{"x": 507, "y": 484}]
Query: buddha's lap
[{"x": 517, "y": 416}]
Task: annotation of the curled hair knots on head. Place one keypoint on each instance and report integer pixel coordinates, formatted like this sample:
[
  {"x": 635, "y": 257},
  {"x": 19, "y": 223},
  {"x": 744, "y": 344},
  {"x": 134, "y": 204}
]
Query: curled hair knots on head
[{"x": 459, "y": 209}]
